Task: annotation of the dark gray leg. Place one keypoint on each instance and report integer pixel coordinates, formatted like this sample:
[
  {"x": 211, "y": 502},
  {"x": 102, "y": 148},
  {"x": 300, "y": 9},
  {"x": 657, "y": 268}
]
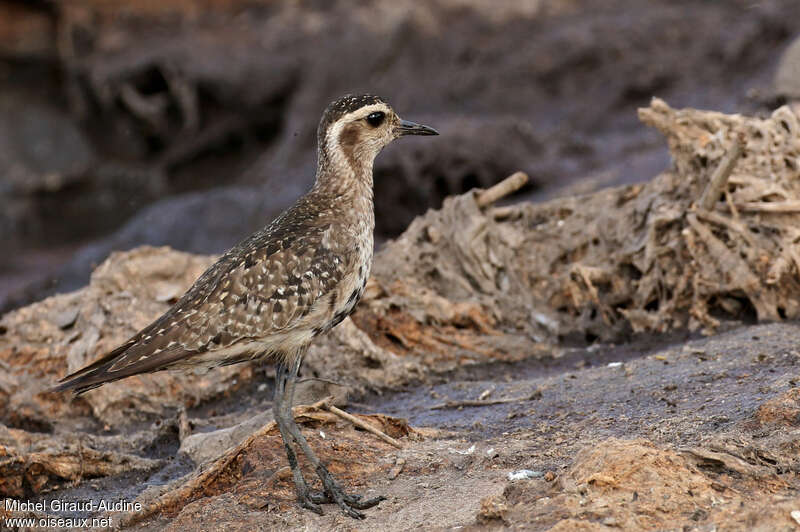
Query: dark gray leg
[
  {"x": 283, "y": 418},
  {"x": 333, "y": 492}
]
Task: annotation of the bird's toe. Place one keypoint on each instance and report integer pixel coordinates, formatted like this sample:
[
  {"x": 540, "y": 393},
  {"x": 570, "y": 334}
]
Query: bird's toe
[
  {"x": 351, "y": 503},
  {"x": 357, "y": 501},
  {"x": 350, "y": 511},
  {"x": 308, "y": 503},
  {"x": 319, "y": 497}
]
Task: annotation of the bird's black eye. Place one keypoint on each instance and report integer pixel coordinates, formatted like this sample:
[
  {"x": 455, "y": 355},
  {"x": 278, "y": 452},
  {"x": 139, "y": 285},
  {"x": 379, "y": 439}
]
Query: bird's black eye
[{"x": 375, "y": 119}]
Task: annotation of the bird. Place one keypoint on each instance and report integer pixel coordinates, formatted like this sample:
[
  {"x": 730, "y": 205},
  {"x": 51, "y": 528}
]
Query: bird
[{"x": 277, "y": 290}]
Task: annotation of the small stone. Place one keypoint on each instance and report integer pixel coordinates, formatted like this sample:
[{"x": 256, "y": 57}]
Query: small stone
[
  {"x": 465, "y": 452},
  {"x": 398, "y": 468},
  {"x": 549, "y": 476},
  {"x": 796, "y": 516},
  {"x": 523, "y": 474}
]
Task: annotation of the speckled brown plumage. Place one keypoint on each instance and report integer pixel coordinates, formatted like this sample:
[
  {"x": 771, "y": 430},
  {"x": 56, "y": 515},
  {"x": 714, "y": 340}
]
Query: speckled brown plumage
[
  {"x": 275, "y": 291},
  {"x": 272, "y": 293},
  {"x": 286, "y": 279}
]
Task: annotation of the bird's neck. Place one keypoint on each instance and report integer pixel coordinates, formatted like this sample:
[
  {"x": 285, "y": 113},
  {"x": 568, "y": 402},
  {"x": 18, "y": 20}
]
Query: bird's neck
[
  {"x": 348, "y": 189},
  {"x": 344, "y": 179}
]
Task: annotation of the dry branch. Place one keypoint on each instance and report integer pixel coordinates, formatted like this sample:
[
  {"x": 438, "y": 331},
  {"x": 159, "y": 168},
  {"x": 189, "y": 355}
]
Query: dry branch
[
  {"x": 723, "y": 171},
  {"x": 472, "y": 402},
  {"x": 767, "y": 206},
  {"x": 505, "y": 187},
  {"x": 358, "y": 423}
]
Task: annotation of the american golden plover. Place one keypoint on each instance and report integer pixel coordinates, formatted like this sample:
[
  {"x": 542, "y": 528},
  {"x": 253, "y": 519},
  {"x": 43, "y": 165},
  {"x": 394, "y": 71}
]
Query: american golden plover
[{"x": 275, "y": 291}]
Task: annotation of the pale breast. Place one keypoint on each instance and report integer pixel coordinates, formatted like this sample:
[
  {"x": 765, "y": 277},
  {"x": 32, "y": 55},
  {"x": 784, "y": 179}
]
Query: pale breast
[{"x": 342, "y": 300}]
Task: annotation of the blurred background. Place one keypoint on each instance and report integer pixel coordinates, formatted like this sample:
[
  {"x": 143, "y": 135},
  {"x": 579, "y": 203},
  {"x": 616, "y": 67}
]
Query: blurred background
[{"x": 191, "y": 123}]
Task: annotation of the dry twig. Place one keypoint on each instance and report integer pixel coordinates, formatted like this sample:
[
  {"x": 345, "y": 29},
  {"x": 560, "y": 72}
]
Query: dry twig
[
  {"x": 505, "y": 187},
  {"x": 769, "y": 206},
  {"x": 473, "y": 402},
  {"x": 720, "y": 177},
  {"x": 358, "y": 423},
  {"x": 732, "y": 225}
]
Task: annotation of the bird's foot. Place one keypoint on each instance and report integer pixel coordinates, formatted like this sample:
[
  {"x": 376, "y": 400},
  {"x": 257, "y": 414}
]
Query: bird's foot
[
  {"x": 350, "y": 504},
  {"x": 311, "y": 500},
  {"x": 306, "y": 497}
]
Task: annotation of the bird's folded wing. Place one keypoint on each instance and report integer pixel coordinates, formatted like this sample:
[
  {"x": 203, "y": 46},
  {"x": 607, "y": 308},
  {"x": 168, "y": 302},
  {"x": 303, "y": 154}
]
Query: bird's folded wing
[{"x": 263, "y": 286}]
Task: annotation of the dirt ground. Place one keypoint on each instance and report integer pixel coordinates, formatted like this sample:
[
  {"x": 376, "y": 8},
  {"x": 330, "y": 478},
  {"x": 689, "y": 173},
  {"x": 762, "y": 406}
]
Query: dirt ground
[
  {"x": 714, "y": 416},
  {"x": 699, "y": 434}
]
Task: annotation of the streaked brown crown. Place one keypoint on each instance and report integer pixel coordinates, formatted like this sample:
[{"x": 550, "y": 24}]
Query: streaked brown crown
[{"x": 342, "y": 106}]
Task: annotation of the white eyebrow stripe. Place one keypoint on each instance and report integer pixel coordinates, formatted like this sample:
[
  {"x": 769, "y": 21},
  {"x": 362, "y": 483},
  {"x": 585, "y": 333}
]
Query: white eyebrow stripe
[
  {"x": 364, "y": 111},
  {"x": 332, "y": 138}
]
